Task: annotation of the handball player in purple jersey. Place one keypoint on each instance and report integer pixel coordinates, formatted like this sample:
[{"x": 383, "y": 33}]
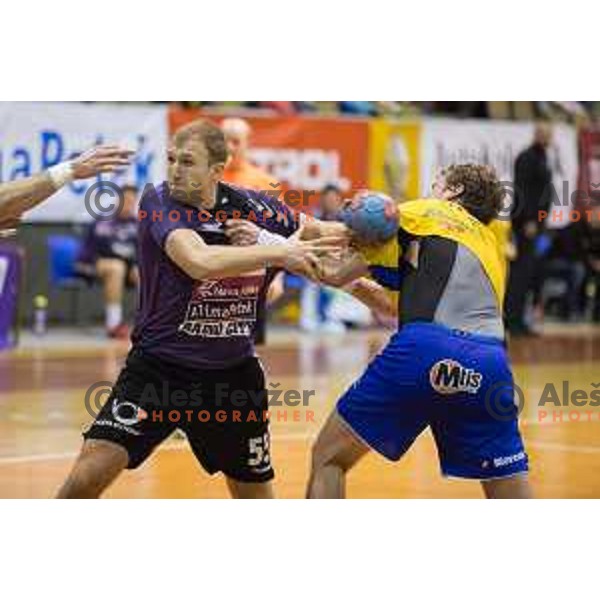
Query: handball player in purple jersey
[{"x": 192, "y": 365}]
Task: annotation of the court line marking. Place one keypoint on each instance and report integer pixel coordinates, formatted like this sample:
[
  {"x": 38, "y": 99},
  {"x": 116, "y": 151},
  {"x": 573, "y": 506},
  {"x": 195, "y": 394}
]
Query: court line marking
[
  {"x": 11, "y": 460},
  {"x": 564, "y": 447},
  {"x": 181, "y": 445}
]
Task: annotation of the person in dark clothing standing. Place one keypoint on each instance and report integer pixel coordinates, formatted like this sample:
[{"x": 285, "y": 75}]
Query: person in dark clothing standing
[
  {"x": 533, "y": 180},
  {"x": 591, "y": 241}
]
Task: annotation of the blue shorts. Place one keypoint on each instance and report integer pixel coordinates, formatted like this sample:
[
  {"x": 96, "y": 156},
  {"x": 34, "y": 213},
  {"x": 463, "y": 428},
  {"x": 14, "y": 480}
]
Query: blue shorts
[{"x": 458, "y": 384}]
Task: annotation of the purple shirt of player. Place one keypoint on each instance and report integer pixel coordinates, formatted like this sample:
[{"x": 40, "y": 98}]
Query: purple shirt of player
[{"x": 206, "y": 324}]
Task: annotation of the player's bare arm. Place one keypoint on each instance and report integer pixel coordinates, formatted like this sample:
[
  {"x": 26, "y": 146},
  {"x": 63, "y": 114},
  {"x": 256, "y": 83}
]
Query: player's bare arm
[
  {"x": 336, "y": 270},
  {"x": 347, "y": 273},
  {"x": 17, "y": 197},
  {"x": 313, "y": 228},
  {"x": 376, "y": 297},
  {"x": 201, "y": 261},
  {"x": 342, "y": 269},
  {"x": 348, "y": 270}
]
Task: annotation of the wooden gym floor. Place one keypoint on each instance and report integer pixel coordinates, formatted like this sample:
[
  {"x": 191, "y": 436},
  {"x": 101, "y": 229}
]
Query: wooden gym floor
[{"x": 42, "y": 412}]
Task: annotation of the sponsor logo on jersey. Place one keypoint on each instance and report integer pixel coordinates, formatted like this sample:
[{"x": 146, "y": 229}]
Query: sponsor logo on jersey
[
  {"x": 128, "y": 413},
  {"x": 448, "y": 376},
  {"x": 504, "y": 461}
]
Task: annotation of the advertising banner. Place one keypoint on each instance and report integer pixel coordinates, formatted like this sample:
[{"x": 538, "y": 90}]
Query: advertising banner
[
  {"x": 394, "y": 158},
  {"x": 38, "y": 135},
  {"x": 498, "y": 143}
]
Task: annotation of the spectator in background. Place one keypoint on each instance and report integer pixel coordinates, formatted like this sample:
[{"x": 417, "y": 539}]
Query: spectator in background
[
  {"x": 361, "y": 108},
  {"x": 330, "y": 203},
  {"x": 109, "y": 254},
  {"x": 306, "y": 106},
  {"x": 239, "y": 170},
  {"x": 533, "y": 179},
  {"x": 280, "y": 107},
  {"x": 315, "y": 299},
  {"x": 463, "y": 109}
]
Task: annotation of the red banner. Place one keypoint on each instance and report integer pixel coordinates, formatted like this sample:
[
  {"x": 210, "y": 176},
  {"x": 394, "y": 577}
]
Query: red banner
[{"x": 589, "y": 175}]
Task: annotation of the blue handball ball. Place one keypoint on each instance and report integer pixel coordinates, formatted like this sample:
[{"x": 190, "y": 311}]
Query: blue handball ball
[{"x": 372, "y": 218}]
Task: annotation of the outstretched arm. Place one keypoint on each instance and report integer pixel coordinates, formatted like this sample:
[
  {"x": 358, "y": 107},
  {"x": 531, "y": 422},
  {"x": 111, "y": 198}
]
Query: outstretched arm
[
  {"x": 346, "y": 270},
  {"x": 201, "y": 261},
  {"x": 335, "y": 270},
  {"x": 343, "y": 268},
  {"x": 17, "y": 197}
]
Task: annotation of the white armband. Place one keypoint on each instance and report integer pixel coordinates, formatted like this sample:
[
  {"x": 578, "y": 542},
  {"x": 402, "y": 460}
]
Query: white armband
[
  {"x": 61, "y": 174},
  {"x": 267, "y": 238}
]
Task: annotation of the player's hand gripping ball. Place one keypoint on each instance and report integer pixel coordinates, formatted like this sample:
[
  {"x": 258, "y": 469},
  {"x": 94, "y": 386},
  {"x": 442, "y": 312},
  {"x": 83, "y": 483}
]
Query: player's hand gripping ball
[{"x": 372, "y": 218}]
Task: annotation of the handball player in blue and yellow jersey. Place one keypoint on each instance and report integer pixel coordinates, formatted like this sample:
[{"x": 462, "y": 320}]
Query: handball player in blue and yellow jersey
[{"x": 446, "y": 368}]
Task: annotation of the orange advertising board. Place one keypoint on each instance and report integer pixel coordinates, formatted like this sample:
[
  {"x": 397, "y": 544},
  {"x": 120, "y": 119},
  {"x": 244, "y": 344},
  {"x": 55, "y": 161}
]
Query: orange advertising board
[{"x": 304, "y": 153}]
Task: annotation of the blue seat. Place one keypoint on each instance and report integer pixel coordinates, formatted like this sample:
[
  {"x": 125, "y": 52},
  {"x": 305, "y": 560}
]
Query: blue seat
[{"x": 63, "y": 251}]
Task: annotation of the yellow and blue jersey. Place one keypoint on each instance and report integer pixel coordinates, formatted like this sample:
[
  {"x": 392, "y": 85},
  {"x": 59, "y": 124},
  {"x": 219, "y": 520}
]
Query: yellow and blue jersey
[
  {"x": 459, "y": 277},
  {"x": 430, "y": 217}
]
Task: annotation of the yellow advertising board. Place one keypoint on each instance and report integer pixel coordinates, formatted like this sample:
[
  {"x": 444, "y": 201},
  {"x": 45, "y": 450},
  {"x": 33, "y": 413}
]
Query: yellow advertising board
[{"x": 394, "y": 158}]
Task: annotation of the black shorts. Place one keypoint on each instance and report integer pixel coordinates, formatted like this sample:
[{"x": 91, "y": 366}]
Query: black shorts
[{"x": 222, "y": 412}]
